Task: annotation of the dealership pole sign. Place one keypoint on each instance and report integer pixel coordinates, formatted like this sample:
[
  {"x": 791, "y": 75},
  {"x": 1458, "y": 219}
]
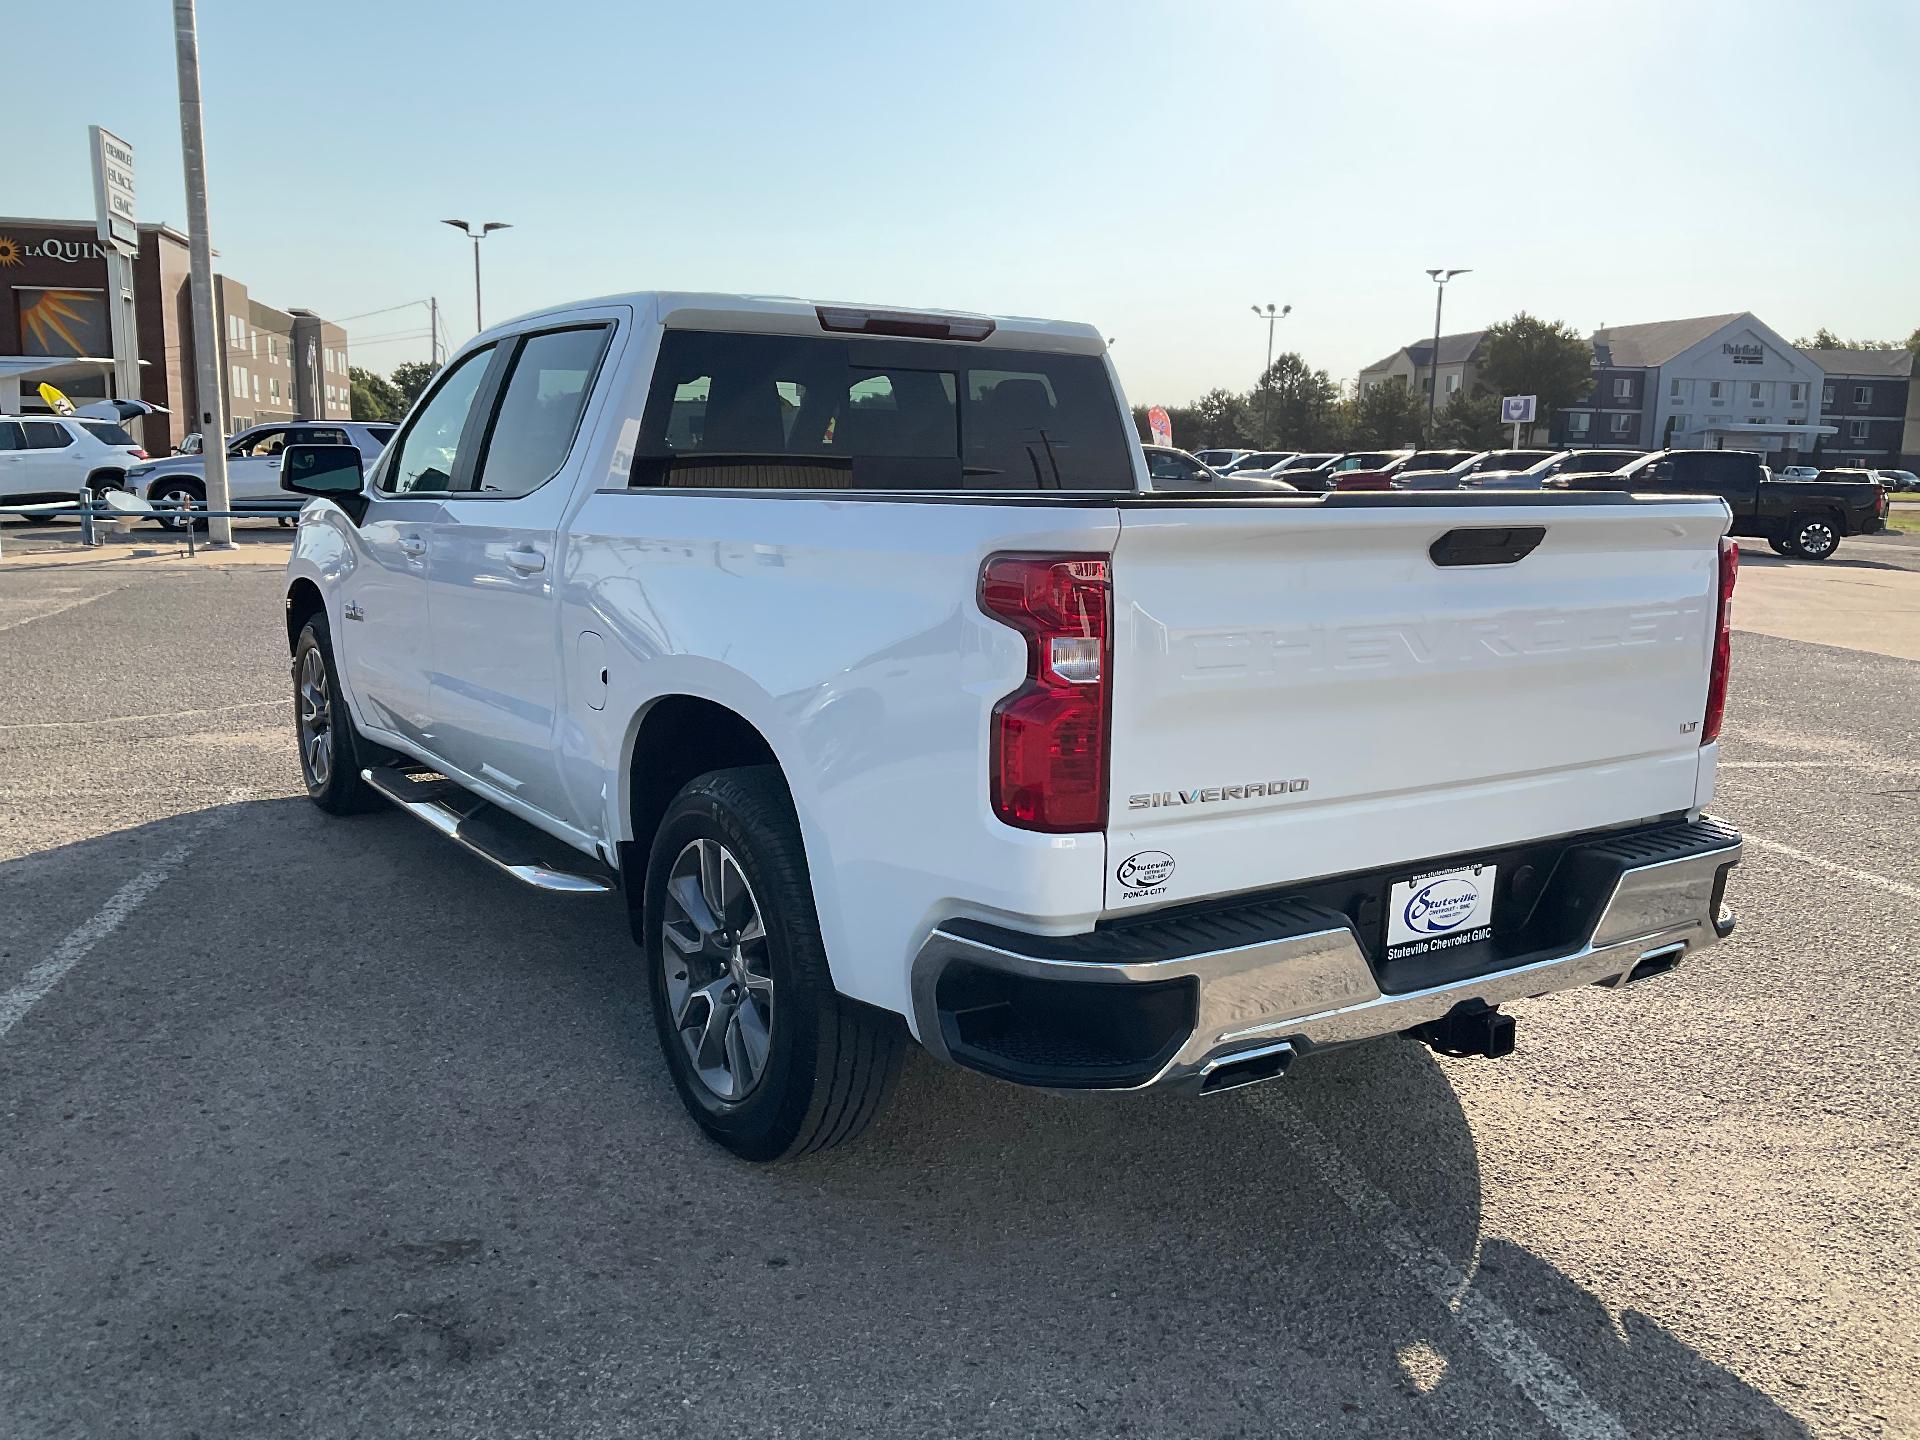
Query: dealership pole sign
[
  {"x": 1160, "y": 425},
  {"x": 1517, "y": 410},
  {"x": 113, "y": 191}
]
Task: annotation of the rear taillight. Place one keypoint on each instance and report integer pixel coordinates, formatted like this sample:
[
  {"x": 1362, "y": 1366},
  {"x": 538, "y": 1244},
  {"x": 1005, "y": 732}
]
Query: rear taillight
[
  {"x": 139, "y": 454},
  {"x": 1048, "y": 758},
  {"x": 1722, "y": 643}
]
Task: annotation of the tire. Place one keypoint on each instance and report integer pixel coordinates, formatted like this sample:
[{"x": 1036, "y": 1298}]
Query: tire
[
  {"x": 1813, "y": 536},
  {"x": 826, "y": 1064},
  {"x": 102, "y": 481},
  {"x": 1778, "y": 546},
  {"x": 177, "y": 492},
  {"x": 330, "y": 767}
]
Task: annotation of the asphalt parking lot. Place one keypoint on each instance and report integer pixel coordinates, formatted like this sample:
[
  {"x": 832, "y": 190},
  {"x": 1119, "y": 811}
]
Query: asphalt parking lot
[{"x": 319, "y": 1127}]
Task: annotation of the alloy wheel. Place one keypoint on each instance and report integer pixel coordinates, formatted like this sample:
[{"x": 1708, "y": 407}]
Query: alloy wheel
[
  {"x": 1817, "y": 538},
  {"x": 718, "y": 978},
  {"x": 316, "y": 718}
]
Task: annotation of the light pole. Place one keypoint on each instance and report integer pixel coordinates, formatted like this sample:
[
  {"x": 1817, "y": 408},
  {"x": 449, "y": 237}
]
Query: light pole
[
  {"x": 1439, "y": 278},
  {"x": 477, "y": 236},
  {"x": 1273, "y": 317},
  {"x": 206, "y": 352}
]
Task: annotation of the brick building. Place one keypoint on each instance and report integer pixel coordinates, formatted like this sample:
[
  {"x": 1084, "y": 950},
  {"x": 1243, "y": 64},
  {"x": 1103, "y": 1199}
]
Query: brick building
[{"x": 274, "y": 364}]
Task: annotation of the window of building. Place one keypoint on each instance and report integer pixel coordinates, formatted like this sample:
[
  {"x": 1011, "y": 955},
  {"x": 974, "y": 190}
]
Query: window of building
[
  {"x": 1453, "y": 383},
  {"x": 1620, "y": 424},
  {"x": 1579, "y": 422},
  {"x": 1796, "y": 393},
  {"x": 1623, "y": 387},
  {"x": 1674, "y": 389},
  {"x": 256, "y": 389},
  {"x": 1681, "y": 422},
  {"x": 273, "y": 388},
  {"x": 1753, "y": 392},
  {"x": 1713, "y": 392},
  {"x": 1863, "y": 395},
  {"x": 1826, "y": 395},
  {"x": 1856, "y": 430}
]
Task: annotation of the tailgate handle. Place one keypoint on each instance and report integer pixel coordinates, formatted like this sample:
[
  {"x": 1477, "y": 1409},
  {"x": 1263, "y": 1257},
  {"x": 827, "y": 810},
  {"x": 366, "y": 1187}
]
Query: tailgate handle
[{"x": 1486, "y": 545}]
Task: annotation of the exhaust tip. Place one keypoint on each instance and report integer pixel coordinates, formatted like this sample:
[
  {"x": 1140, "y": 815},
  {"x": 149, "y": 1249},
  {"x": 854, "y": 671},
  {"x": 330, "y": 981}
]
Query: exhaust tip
[{"x": 1249, "y": 1067}]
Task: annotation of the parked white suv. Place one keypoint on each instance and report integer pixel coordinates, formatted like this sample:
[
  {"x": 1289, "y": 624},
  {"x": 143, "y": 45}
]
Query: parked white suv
[
  {"x": 855, "y": 648},
  {"x": 50, "y": 457},
  {"x": 253, "y": 466}
]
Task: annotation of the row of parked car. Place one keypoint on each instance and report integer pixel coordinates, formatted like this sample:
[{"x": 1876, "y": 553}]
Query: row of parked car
[
  {"x": 50, "y": 458},
  {"x": 1802, "y": 513}
]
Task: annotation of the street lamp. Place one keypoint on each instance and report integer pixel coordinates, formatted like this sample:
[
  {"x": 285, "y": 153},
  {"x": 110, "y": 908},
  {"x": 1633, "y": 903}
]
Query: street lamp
[
  {"x": 477, "y": 236},
  {"x": 1273, "y": 317},
  {"x": 1439, "y": 278}
]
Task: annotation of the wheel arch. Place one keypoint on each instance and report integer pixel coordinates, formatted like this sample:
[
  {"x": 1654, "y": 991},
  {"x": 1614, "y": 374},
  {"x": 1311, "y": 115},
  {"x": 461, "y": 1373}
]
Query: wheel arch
[{"x": 304, "y": 601}]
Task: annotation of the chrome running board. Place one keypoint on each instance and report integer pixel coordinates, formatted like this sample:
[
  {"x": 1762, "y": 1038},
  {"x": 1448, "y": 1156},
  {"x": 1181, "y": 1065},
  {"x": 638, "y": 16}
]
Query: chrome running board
[{"x": 502, "y": 840}]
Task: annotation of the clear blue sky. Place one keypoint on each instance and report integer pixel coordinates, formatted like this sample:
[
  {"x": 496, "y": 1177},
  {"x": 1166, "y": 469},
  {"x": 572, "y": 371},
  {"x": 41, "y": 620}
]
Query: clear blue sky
[{"x": 1154, "y": 169}]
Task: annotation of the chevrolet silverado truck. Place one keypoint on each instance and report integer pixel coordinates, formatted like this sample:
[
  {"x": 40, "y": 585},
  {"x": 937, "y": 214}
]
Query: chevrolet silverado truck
[
  {"x": 853, "y": 649},
  {"x": 1802, "y": 519}
]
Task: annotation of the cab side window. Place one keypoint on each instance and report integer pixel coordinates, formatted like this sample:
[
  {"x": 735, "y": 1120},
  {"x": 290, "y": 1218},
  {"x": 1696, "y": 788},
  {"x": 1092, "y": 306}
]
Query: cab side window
[
  {"x": 430, "y": 449},
  {"x": 10, "y": 437},
  {"x": 541, "y": 402}
]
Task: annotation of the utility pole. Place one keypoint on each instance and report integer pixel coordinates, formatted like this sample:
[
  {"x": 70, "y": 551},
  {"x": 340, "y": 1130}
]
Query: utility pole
[
  {"x": 1439, "y": 278},
  {"x": 433, "y": 336},
  {"x": 477, "y": 236},
  {"x": 1273, "y": 317},
  {"x": 213, "y": 439}
]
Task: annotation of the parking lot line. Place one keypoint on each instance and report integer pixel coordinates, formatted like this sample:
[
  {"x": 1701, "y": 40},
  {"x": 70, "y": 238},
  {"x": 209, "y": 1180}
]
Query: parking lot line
[
  {"x": 57, "y": 610},
  {"x": 1536, "y": 1374},
  {"x": 40, "y": 981},
  {"x": 132, "y": 719},
  {"x": 1864, "y": 877}
]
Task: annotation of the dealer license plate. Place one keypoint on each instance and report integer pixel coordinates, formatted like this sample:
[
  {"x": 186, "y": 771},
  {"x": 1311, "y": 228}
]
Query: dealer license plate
[{"x": 1440, "y": 910}]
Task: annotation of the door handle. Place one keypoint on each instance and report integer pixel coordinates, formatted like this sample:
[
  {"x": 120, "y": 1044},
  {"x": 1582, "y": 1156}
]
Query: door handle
[
  {"x": 526, "y": 560},
  {"x": 412, "y": 546}
]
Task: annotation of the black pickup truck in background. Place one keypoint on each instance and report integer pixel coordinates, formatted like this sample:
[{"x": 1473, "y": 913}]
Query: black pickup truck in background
[{"x": 1801, "y": 518}]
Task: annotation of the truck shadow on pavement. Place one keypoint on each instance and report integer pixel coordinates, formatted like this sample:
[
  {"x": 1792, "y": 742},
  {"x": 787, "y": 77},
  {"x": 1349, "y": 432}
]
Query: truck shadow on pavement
[{"x": 379, "y": 1140}]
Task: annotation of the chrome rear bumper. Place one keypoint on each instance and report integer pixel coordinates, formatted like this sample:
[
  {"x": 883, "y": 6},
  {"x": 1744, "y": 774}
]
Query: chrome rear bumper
[{"x": 1307, "y": 983}]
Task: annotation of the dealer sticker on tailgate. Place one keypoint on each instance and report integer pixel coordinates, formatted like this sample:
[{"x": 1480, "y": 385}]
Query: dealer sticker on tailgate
[{"x": 1440, "y": 910}]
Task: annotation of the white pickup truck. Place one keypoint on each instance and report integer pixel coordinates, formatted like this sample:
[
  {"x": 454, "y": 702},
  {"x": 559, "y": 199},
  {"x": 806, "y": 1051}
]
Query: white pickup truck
[{"x": 851, "y": 647}]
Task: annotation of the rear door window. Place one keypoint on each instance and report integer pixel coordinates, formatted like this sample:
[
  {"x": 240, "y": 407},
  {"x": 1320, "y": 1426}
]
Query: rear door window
[
  {"x": 46, "y": 435},
  {"x": 798, "y": 412},
  {"x": 541, "y": 402}
]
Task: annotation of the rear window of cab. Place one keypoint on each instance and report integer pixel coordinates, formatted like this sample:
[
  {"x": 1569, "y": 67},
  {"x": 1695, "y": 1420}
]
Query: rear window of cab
[{"x": 797, "y": 412}]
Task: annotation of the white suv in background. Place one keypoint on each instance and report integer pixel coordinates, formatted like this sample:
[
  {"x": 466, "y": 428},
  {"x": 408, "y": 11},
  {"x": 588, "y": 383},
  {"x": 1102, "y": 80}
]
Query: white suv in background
[
  {"x": 44, "y": 458},
  {"x": 253, "y": 465}
]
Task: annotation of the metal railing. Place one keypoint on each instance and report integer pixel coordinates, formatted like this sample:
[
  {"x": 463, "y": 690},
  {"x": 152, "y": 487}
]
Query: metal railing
[{"x": 91, "y": 510}]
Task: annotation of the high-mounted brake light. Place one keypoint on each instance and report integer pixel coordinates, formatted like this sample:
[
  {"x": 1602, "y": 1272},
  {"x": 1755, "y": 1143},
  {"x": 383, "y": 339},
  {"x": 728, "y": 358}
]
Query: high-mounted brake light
[
  {"x": 1722, "y": 643},
  {"x": 1048, "y": 760},
  {"x": 914, "y": 325}
]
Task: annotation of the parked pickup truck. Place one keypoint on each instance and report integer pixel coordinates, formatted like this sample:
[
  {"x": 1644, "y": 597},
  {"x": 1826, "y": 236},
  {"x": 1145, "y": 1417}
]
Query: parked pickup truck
[
  {"x": 1801, "y": 518},
  {"x": 852, "y": 648}
]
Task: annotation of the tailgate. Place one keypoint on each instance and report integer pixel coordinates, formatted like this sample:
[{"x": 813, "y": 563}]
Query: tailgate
[{"x": 1302, "y": 691}]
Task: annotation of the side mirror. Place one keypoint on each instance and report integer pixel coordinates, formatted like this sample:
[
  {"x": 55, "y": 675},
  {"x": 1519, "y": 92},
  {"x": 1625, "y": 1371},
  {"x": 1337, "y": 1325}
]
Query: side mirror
[{"x": 329, "y": 471}]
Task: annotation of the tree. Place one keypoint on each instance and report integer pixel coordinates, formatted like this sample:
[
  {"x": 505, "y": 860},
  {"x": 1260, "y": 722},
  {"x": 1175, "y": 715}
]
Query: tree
[
  {"x": 410, "y": 379},
  {"x": 1293, "y": 406},
  {"x": 1913, "y": 342},
  {"x": 1530, "y": 356},
  {"x": 1384, "y": 415},
  {"x": 1468, "y": 422},
  {"x": 372, "y": 396}
]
